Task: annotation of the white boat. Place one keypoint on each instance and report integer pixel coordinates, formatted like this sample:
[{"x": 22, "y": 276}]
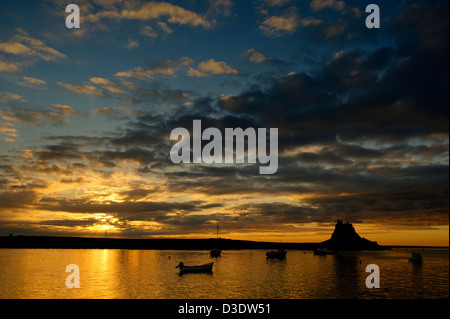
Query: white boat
[
  {"x": 194, "y": 269},
  {"x": 416, "y": 257}
]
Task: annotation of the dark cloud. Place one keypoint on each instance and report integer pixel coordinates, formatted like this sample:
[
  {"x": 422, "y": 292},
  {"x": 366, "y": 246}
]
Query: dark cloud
[
  {"x": 349, "y": 101},
  {"x": 136, "y": 193},
  {"x": 82, "y": 205},
  {"x": 72, "y": 180},
  {"x": 17, "y": 199},
  {"x": 70, "y": 223}
]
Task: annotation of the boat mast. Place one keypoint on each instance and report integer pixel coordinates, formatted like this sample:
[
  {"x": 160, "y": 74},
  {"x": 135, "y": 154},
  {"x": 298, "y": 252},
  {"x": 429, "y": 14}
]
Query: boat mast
[{"x": 217, "y": 230}]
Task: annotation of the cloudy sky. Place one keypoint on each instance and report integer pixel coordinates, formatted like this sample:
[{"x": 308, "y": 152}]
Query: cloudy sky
[{"x": 362, "y": 116}]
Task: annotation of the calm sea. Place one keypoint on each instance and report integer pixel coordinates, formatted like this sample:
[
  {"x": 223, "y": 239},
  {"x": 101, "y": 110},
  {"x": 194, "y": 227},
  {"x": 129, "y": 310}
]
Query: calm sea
[{"x": 239, "y": 274}]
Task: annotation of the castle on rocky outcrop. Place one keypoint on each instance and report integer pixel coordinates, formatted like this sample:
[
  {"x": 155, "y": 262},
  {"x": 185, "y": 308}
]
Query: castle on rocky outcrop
[{"x": 345, "y": 237}]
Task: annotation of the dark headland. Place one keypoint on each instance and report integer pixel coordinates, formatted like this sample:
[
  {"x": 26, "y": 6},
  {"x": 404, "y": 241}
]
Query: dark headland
[
  {"x": 344, "y": 237},
  {"x": 122, "y": 243}
]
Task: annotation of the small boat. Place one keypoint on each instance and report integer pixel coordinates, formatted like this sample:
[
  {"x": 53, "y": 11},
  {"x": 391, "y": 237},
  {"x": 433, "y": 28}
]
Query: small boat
[
  {"x": 215, "y": 252},
  {"x": 278, "y": 254},
  {"x": 194, "y": 269},
  {"x": 416, "y": 257},
  {"x": 324, "y": 251}
]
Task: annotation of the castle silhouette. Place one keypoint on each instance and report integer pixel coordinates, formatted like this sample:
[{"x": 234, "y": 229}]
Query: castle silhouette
[{"x": 345, "y": 237}]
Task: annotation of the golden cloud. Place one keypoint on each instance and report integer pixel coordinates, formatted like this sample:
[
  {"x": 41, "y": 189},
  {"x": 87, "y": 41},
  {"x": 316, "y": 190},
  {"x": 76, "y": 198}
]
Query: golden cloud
[{"x": 211, "y": 67}]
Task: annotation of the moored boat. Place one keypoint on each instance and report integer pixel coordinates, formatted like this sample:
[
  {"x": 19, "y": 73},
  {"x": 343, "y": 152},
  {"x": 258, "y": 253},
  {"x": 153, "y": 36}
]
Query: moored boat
[
  {"x": 278, "y": 254},
  {"x": 324, "y": 251},
  {"x": 215, "y": 252},
  {"x": 194, "y": 269},
  {"x": 416, "y": 257}
]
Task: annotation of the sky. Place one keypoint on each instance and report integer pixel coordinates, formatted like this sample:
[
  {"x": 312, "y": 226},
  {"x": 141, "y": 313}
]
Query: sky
[{"x": 362, "y": 118}]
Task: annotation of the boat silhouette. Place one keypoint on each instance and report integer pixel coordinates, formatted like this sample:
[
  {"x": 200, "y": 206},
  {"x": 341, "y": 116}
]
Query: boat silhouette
[
  {"x": 324, "y": 251},
  {"x": 216, "y": 252},
  {"x": 278, "y": 254},
  {"x": 416, "y": 257},
  {"x": 206, "y": 268}
]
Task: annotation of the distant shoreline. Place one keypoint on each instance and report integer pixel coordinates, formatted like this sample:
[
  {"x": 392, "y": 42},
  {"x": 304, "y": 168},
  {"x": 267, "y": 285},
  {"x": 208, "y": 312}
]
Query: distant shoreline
[
  {"x": 153, "y": 243},
  {"x": 58, "y": 242}
]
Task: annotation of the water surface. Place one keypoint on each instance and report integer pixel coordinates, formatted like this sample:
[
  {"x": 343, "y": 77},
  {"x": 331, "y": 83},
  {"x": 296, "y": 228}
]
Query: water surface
[{"x": 238, "y": 274}]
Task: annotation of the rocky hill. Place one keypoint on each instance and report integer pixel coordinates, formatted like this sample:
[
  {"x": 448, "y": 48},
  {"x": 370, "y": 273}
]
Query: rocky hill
[{"x": 345, "y": 237}]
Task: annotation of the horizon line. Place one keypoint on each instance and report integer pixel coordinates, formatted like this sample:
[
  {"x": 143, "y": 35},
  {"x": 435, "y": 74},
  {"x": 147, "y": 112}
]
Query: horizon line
[{"x": 214, "y": 239}]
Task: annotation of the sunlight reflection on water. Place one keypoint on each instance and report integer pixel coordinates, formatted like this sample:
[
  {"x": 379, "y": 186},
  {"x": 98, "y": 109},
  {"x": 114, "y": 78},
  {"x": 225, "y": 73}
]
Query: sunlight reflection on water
[{"x": 238, "y": 274}]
